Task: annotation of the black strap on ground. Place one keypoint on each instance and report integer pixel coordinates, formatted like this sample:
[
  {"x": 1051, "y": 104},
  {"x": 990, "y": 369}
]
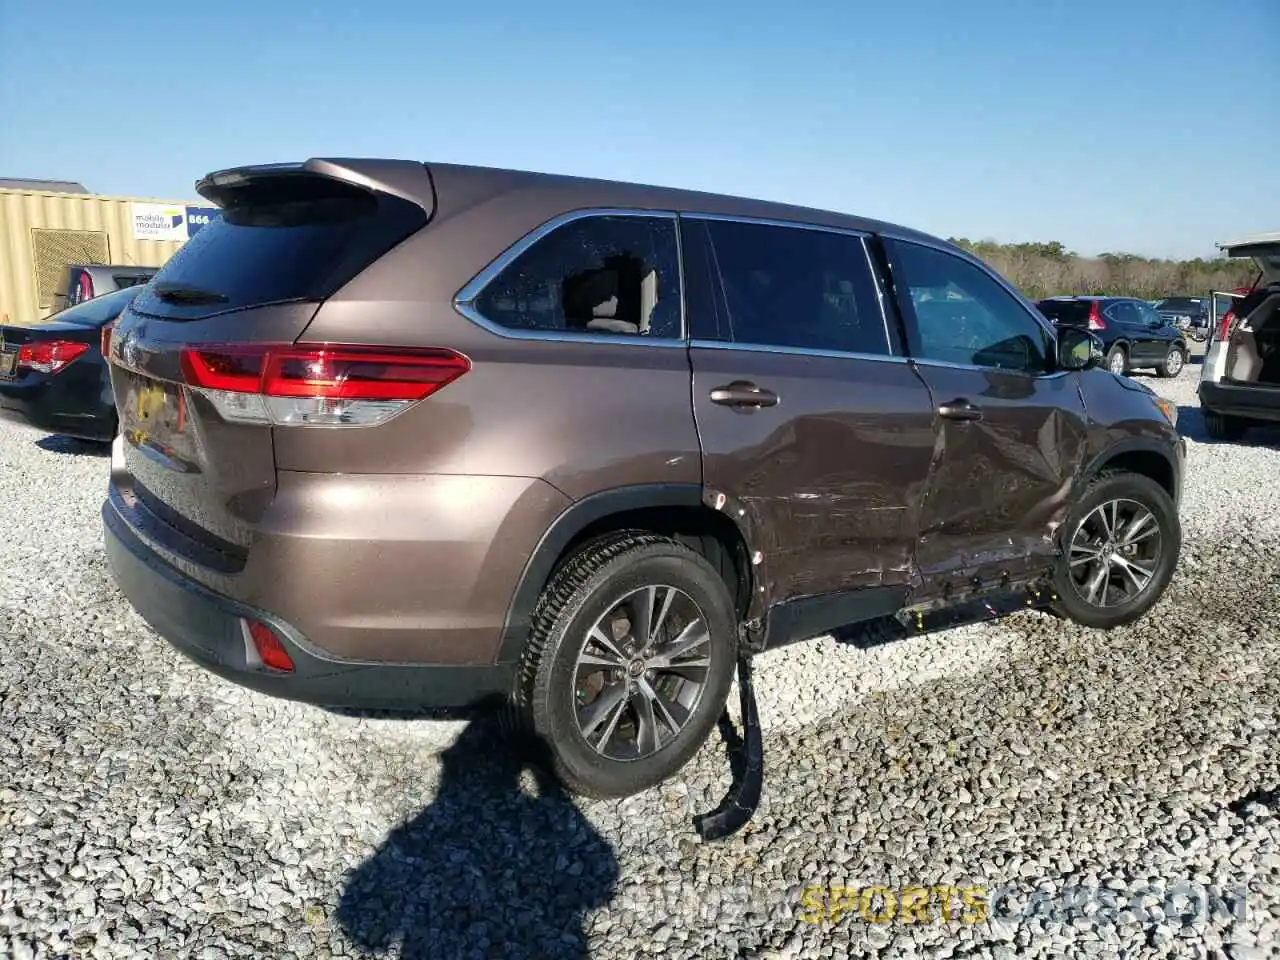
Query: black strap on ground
[{"x": 739, "y": 804}]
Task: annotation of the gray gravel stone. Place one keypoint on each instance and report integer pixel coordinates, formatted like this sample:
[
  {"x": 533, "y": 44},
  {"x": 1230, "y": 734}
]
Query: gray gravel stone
[{"x": 151, "y": 809}]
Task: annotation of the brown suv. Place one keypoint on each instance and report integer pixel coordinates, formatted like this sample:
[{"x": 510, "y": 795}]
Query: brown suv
[{"x": 398, "y": 434}]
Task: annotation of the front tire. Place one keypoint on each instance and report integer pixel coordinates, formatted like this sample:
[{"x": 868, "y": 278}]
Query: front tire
[
  {"x": 629, "y": 663},
  {"x": 1120, "y": 547}
]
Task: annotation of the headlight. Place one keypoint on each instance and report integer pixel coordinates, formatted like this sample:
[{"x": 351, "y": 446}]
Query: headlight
[{"x": 1169, "y": 410}]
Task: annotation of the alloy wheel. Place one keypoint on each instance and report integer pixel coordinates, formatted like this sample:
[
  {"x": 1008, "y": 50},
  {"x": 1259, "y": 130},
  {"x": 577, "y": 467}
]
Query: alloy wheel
[
  {"x": 1115, "y": 553},
  {"x": 641, "y": 672},
  {"x": 1174, "y": 363},
  {"x": 1117, "y": 363}
]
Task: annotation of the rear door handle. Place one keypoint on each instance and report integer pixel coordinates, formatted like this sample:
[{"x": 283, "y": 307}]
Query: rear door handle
[
  {"x": 960, "y": 409},
  {"x": 743, "y": 393}
]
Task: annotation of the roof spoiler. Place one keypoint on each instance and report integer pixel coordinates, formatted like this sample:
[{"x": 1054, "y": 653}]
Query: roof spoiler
[
  {"x": 406, "y": 179},
  {"x": 1251, "y": 245}
]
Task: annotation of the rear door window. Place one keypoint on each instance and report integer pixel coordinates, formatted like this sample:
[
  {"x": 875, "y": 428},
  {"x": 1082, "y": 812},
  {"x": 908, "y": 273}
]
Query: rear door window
[
  {"x": 801, "y": 288},
  {"x": 602, "y": 274},
  {"x": 280, "y": 238}
]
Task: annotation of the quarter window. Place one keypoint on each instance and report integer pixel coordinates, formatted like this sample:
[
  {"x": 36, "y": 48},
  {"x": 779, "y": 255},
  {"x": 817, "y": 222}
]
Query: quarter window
[
  {"x": 599, "y": 274},
  {"x": 963, "y": 315},
  {"x": 796, "y": 287}
]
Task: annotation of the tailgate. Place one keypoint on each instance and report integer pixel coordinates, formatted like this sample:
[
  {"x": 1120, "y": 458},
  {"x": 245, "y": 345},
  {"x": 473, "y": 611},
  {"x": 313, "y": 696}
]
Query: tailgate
[
  {"x": 208, "y": 477},
  {"x": 287, "y": 237}
]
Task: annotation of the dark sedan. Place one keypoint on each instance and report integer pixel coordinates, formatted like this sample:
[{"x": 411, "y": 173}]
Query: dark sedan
[
  {"x": 52, "y": 375},
  {"x": 1134, "y": 335}
]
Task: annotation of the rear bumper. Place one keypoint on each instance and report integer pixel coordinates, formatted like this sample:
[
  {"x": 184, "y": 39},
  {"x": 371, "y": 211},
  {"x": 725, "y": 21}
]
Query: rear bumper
[
  {"x": 209, "y": 629},
  {"x": 73, "y": 407},
  {"x": 1236, "y": 400}
]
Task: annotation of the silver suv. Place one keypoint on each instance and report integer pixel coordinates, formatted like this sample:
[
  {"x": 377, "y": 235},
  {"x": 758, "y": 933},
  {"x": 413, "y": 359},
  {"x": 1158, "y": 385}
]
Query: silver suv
[{"x": 1240, "y": 379}]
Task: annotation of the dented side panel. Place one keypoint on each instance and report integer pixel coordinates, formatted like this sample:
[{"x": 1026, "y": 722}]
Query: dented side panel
[
  {"x": 999, "y": 486},
  {"x": 826, "y": 484}
]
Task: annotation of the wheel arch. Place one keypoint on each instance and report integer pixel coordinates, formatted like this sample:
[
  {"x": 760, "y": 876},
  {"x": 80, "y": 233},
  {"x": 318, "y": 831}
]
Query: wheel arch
[
  {"x": 1143, "y": 456},
  {"x": 677, "y": 510},
  {"x": 1122, "y": 343}
]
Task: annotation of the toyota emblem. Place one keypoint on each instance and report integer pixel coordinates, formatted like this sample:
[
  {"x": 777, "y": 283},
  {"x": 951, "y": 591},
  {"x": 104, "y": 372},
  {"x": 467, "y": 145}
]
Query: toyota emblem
[{"x": 129, "y": 349}]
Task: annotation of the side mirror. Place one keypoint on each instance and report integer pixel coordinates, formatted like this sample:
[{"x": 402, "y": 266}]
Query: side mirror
[{"x": 1078, "y": 349}]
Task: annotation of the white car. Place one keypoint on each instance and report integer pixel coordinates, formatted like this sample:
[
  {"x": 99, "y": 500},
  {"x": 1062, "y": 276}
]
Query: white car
[{"x": 1240, "y": 378}]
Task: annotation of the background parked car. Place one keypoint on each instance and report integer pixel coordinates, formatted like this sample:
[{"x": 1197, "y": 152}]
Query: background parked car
[
  {"x": 84, "y": 281},
  {"x": 52, "y": 375},
  {"x": 1133, "y": 333},
  {"x": 1191, "y": 311},
  {"x": 1240, "y": 379}
]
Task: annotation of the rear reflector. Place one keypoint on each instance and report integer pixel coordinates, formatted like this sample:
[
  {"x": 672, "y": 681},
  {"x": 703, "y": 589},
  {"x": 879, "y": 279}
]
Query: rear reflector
[
  {"x": 49, "y": 356},
  {"x": 105, "y": 344},
  {"x": 269, "y": 647},
  {"x": 321, "y": 385}
]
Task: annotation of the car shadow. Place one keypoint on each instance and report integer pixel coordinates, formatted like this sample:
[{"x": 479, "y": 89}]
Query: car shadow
[
  {"x": 489, "y": 868},
  {"x": 57, "y": 443},
  {"x": 1191, "y": 426}
]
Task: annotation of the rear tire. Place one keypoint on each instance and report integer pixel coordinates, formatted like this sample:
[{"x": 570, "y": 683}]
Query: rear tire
[
  {"x": 1174, "y": 362},
  {"x": 1117, "y": 360},
  {"x": 1223, "y": 428},
  {"x": 614, "y": 731},
  {"x": 1120, "y": 543}
]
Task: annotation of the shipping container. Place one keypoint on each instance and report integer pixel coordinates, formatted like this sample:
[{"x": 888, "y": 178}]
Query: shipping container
[{"x": 41, "y": 232}]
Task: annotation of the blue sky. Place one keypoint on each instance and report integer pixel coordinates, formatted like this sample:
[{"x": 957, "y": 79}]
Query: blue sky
[{"x": 1151, "y": 126}]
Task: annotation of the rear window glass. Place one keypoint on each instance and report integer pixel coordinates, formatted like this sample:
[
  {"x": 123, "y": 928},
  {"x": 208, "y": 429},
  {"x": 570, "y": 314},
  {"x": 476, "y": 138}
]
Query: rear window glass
[
  {"x": 280, "y": 239},
  {"x": 99, "y": 310},
  {"x": 1190, "y": 304},
  {"x": 1065, "y": 311}
]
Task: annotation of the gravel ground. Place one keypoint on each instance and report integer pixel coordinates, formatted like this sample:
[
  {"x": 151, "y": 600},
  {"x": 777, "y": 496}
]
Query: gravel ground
[{"x": 1108, "y": 795}]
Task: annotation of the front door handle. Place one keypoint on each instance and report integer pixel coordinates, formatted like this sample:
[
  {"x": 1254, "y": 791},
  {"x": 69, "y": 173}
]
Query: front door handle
[
  {"x": 743, "y": 393},
  {"x": 960, "y": 409}
]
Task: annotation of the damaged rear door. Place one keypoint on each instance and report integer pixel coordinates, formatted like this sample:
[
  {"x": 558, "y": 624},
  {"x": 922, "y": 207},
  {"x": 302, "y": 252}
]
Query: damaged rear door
[
  {"x": 1009, "y": 430},
  {"x": 814, "y": 428}
]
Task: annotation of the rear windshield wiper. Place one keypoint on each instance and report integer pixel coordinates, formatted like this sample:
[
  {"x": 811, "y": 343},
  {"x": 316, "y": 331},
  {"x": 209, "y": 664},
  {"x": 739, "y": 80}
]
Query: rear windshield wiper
[{"x": 178, "y": 293}]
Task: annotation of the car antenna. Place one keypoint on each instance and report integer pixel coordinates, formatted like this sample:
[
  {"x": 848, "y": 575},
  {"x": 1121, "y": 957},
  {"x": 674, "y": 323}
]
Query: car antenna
[{"x": 740, "y": 802}]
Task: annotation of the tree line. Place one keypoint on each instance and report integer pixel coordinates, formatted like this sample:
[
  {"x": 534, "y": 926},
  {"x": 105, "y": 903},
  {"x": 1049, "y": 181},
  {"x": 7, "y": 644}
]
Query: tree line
[{"x": 1049, "y": 269}]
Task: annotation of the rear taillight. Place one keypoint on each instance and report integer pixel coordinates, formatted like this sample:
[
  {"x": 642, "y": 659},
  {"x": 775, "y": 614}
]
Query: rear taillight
[
  {"x": 105, "y": 345},
  {"x": 86, "y": 288},
  {"x": 1223, "y": 333},
  {"x": 49, "y": 356},
  {"x": 321, "y": 385},
  {"x": 1095, "y": 317}
]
